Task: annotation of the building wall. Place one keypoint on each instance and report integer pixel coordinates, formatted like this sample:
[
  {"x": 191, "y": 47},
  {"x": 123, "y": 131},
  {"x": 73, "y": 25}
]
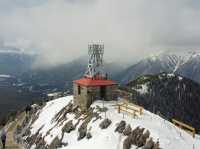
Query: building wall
[
  {"x": 110, "y": 92},
  {"x": 80, "y": 99},
  {"x": 89, "y": 94}
]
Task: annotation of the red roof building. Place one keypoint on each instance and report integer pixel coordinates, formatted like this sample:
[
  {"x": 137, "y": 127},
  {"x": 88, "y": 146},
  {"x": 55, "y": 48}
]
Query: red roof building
[
  {"x": 87, "y": 90},
  {"x": 94, "y": 82}
]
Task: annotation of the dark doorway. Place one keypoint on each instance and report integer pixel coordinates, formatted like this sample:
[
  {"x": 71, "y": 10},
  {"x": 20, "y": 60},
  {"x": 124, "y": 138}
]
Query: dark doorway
[
  {"x": 79, "y": 90},
  {"x": 103, "y": 92}
]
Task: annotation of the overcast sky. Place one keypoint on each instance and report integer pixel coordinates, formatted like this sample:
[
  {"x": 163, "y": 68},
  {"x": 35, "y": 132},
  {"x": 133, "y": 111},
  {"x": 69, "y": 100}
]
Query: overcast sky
[{"x": 60, "y": 30}]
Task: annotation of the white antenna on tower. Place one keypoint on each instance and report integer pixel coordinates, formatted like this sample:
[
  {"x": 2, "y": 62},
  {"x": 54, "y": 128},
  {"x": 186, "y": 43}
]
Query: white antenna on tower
[{"x": 95, "y": 63}]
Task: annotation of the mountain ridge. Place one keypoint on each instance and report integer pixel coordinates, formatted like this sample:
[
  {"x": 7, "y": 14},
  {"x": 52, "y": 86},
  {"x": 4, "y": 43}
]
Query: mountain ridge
[
  {"x": 187, "y": 65},
  {"x": 169, "y": 94}
]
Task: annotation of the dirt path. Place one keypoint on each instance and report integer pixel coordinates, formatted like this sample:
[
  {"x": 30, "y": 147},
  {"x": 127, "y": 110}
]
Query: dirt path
[{"x": 10, "y": 143}]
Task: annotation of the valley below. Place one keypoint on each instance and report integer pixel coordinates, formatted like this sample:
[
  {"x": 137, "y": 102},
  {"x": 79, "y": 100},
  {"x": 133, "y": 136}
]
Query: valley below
[{"x": 16, "y": 95}]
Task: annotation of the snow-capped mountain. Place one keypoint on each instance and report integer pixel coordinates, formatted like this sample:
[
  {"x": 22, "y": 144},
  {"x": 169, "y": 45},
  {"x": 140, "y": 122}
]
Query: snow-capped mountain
[
  {"x": 59, "y": 124},
  {"x": 185, "y": 64},
  {"x": 191, "y": 67}
]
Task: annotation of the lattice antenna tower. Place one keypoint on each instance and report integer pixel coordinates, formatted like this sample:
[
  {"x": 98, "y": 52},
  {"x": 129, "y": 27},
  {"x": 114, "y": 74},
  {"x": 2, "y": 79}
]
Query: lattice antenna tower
[{"x": 95, "y": 62}]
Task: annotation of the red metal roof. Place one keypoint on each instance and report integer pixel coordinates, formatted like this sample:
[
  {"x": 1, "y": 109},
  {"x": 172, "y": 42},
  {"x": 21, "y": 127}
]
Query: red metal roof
[{"x": 94, "y": 82}]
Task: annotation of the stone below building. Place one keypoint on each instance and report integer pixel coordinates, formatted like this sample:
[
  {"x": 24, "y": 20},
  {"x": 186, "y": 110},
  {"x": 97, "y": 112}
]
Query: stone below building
[{"x": 87, "y": 90}]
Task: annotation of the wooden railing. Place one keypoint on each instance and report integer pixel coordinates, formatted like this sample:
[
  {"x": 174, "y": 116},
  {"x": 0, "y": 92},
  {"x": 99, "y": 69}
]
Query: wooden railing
[
  {"x": 184, "y": 126},
  {"x": 138, "y": 108},
  {"x": 130, "y": 108}
]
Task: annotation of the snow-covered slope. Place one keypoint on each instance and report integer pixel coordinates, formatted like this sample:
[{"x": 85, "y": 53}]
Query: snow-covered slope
[{"x": 48, "y": 128}]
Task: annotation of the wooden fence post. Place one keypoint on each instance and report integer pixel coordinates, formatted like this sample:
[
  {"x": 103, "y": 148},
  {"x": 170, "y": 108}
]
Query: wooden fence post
[
  {"x": 134, "y": 114},
  {"x": 118, "y": 108},
  {"x": 140, "y": 111}
]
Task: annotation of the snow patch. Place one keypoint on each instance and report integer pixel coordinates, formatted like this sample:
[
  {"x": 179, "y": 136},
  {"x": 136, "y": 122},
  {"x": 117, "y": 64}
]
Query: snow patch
[
  {"x": 153, "y": 58},
  {"x": 170, "y": 75},
  {"x": 4, "y": 76},
  {"x": 142, "y": 89},
  {"x": 180, "y": 78},
  {"x": 44, "y": 122}
]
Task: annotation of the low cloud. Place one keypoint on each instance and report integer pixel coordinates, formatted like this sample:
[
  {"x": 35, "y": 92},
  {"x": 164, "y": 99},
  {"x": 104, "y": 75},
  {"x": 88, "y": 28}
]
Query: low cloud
[{"x": 59, "y": 31}]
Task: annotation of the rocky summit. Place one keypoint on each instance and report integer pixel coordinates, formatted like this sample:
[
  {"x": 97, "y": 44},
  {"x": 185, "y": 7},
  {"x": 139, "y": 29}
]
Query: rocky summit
[{"x": 61, "y": 124}]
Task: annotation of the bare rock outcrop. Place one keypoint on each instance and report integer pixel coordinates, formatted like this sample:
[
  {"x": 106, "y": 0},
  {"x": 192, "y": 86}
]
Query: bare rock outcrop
[
  {"x": 105, "y": 123},
  {"x": 82, "y": 132},
  {"x": 127, "y": 143},
  {"x": 89, "y": 135},
  {"x": 56, "y": 143},
  {"x": 120, "y": 128},
  {"x": 149, "y": 144},
  {"x": 140, "y": 139},
  {"x": 127, "y": 131},
  {"x": 156, "y": 145},
  {"x": 68, "y": 127}
]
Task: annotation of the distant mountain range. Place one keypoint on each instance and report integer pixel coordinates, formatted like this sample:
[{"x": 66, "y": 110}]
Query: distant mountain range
[
  {"x": 185, "y": 64},
  {"x": 16, "y": 63},
  {"x": 170, "y": 95}
]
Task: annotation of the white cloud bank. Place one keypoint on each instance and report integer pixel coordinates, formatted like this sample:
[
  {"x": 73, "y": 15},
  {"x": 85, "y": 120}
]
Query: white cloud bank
[{"x": 59, "y": 30}]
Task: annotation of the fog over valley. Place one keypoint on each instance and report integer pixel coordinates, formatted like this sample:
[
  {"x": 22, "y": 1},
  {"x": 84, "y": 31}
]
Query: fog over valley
[{"x": 59, "y": 31}]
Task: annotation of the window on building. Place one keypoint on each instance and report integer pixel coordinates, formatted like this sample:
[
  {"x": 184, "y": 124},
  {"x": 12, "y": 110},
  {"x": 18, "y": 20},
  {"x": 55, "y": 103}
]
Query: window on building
[{"x": 79, "y": 89}]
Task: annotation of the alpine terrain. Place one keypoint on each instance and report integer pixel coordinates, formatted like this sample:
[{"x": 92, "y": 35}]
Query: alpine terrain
[{"x": 60, "y": 124}]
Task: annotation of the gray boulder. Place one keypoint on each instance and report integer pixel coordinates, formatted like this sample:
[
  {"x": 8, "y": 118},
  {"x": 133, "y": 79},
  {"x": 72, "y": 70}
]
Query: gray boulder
[
  {"x": 147, "y": 134},
  {"x": 82, "y": 130},
  {"x": 82, "y": 133},
  {"x": 89, "y": 135},
  {"x": 105, "y": 123},
  {"x": 120, "y": 128},
  {"x": 68, "y": 127},
  {"x": 127, "y": 143},
  {"x": 134, "y": 134},
  {"x": 40, "y": 143},
  {"x": 64, "y": 144},
  {"x": 156, "y": 145},
  {"x": 138, "y": 136},
  {"x": 142, "y": 139},
  {"x": 149, "y": 144},
  {"x": 131, "y": 139},
  {"x": 127, "y": 131},
  {"x": 56, "y": 143}
]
